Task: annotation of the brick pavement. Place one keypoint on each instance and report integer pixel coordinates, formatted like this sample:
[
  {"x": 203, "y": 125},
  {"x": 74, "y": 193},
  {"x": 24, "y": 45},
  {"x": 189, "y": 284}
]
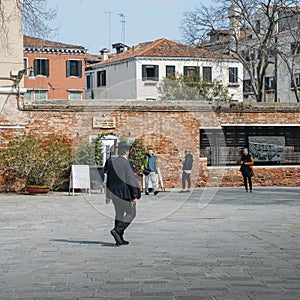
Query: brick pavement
[{"x": 211, "y": 244}]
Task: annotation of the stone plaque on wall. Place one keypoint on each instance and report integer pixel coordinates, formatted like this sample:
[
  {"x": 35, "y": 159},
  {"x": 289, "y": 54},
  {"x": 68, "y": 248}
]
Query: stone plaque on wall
[
  {"x": 104, "y": 122},
  {"x": 267, "y": 148}
]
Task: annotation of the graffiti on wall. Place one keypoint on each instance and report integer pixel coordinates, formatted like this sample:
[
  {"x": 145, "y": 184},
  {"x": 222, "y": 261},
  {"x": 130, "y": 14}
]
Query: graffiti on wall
[{"x": 267, "y": 148}]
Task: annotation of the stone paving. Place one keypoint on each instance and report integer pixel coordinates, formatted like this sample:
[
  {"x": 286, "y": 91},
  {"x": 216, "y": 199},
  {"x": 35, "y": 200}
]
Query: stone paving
[{"x": 208, "y": 244}]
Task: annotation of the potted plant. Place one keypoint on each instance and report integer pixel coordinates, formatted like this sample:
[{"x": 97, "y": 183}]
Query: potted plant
[{"x": 39, "y": 162}]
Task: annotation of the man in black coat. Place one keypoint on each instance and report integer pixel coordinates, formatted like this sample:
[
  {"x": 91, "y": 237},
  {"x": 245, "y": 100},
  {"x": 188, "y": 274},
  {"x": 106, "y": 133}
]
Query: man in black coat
[
  {"x": 123, "y": 189},
  {"x": 187, "y": 165}
]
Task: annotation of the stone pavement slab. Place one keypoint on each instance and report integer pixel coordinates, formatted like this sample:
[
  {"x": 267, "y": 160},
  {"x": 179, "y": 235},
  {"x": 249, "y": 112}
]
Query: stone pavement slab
[{"x": 215, "y": 243}]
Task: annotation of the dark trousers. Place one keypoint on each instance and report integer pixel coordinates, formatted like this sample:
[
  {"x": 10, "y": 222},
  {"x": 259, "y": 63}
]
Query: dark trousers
[
  {"x": 247, "y": 179},
  {"x": 186, "y": 177},
  {"x": 125, "y": 212}
]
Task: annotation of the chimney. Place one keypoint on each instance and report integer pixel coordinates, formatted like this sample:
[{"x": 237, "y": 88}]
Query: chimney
[
  {"x": 104, "y": 54},
  {"x": 120, "y": 47},
  {"x": 234, "y": 15}
]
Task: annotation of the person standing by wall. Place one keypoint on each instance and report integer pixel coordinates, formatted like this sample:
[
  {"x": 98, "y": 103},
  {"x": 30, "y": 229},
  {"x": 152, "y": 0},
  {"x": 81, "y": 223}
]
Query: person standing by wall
[
  {"x": 123, "y": 189},
  {"x": 246, "y": 162},
  {"x": 149, "y": 169},
  {"x": 187, "y": 165}
]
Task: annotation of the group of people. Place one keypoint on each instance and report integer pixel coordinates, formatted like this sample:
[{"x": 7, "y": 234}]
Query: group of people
[{"x": 122, "y": 187}]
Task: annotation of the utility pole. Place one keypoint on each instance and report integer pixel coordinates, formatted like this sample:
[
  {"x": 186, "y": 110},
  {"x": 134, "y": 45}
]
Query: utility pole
[
  {"x": 123, "y": 27},
  {"x": 109, "y": 28}
]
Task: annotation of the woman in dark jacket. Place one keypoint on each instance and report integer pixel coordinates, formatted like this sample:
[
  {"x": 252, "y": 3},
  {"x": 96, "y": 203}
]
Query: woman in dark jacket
[
  {"x": 123, "y": 189},
  {"x": 246, "y": 162}
]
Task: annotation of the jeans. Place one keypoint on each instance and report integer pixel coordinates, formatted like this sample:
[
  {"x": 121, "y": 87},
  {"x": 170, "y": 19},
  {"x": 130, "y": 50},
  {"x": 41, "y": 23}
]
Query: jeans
[
  {"x": 186, "y": 177},
  {"x": 247, "y": 177},
  {"x": 152, "y": 177}
]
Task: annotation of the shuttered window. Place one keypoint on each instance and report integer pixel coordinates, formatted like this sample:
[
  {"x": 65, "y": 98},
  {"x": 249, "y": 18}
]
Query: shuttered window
[
  {"x": 190, "y": 71},
  {"x": 207, "y": 74},
  {"x": 74, "y": 68},
  {"x": 41, "y": 67},
  {"x": 233, "y": 75},
  {"x": 150, "y": 72}
]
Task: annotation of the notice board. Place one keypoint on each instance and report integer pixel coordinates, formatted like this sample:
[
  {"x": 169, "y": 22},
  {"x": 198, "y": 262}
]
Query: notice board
[{"x": 80, "y": 178}]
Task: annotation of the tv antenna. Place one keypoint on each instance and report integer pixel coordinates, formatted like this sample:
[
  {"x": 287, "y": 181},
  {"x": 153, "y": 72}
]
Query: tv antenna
[
  {"x": 109, "y": 27},
  {"x": 123, "y": 27}
]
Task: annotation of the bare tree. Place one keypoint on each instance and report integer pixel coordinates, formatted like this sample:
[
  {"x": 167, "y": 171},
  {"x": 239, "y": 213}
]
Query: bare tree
[
  {"x": 37, "y": 17},
  {"x": 252, "y": 37}
]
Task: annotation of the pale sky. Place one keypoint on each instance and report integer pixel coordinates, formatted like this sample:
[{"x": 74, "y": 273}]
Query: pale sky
[{"x": 83, "y": 22}]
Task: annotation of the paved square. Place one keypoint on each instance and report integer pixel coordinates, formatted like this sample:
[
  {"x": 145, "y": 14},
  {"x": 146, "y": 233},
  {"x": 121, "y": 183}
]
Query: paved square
[{"x": 210, "y": 244}]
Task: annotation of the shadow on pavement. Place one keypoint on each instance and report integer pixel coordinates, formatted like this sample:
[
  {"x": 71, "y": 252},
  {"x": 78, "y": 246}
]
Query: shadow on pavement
[{"x": 104, "y": 244}]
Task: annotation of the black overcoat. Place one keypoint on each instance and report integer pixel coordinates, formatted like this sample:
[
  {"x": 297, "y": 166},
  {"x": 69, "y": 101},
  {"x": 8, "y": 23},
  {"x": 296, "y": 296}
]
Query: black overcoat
[{"x": 121, "y": 181}]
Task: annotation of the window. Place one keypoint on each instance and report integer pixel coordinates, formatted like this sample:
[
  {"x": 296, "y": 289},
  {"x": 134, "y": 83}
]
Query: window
[
  {"x": 190, "y": 71},
  {"x": 270, "y": 83},
  {"x": 40, "y": 95},
  {"x": 75, "y": 95},
  {"x": 88, "y": 82},
  {"x": 247, "y": 86},
  {"x": 150, "y": 72},
  {"x": 297, "y": 80},
  {"x": 207, "y": 74},
  {"x": 25, "y": 65},
  {"x": 27, "y": 96},
  {"x": 233, "y": 75},
  {"x": 257, "y": 26},
  {"x": 101, "y": 78},
  {"x": 295, "y": 48},
  {"x": 170, "y": 71},
  {"x": 41, "y": 67},
  {"x": 74, "y": 68}
]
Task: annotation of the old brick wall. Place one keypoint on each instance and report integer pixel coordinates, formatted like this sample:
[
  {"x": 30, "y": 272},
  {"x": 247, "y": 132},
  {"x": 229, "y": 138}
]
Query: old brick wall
[{"x": 168, "y": 127}]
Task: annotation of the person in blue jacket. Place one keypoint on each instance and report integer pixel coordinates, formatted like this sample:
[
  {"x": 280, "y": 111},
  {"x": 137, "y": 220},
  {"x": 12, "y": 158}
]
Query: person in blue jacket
[
  {"x": 123, "y": 189},
  {"x": 149, "y": 169}
]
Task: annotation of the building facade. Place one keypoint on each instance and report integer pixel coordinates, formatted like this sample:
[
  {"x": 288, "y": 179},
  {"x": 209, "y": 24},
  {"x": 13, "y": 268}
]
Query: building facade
[
  {"x": 136, "y": 73},
  {"x": 281, "y": 82},
  {"x": 58, "y": 70}
]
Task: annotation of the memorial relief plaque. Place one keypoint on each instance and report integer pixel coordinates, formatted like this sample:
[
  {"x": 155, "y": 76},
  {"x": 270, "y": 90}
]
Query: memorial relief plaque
[
  {"x": 104, "y": 122},
  {"x": 267, "y": 148}
]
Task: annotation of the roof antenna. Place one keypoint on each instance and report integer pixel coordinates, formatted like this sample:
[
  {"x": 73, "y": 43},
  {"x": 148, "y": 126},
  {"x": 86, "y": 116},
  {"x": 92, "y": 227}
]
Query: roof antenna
[{"x": 123, "y": 27}]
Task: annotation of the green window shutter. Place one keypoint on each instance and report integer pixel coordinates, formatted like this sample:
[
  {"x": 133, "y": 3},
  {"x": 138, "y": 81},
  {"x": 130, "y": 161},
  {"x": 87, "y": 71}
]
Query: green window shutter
[
  {"x": 68, "y": 69},
  {"x": 197, "y": 70},
  {"x": 80, "y": 68},
  {"x": 185, "y": 71},
  {"x": 156, "y": 73},
  {"x": 36, "y": 66},
  {"x": 47, "y": 67},
  {"x": 143, "y": 72}
]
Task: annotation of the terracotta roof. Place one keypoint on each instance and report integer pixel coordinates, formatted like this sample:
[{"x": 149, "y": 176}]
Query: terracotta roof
[
  {"x": 92, "y": 58},
  {"x": 163, "y": 48},
  {"x": 29, "y": 41},
  {"x": 226, "y": 40}
]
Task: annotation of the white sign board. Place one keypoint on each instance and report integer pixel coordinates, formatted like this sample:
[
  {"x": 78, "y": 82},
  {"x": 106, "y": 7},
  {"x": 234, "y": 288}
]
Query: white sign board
[{"x": 80, "y": 178}]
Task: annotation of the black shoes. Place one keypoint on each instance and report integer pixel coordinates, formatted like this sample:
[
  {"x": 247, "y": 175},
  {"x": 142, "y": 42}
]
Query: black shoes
[
  {"x": 124, "y": 242},
  {"x": 155, "y": 193},
  {"x": 117, "y": 237}
]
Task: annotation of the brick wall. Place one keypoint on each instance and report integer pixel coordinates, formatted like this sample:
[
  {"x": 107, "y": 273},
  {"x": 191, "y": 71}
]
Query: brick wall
[{"x": 169, "y": 128}]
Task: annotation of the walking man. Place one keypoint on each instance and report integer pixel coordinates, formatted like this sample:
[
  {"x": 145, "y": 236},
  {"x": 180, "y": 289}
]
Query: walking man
[
  {"x": 150, "y": 170},
  {"x": 187, "y": 170},
  {"x": 123, "y": 189}
]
